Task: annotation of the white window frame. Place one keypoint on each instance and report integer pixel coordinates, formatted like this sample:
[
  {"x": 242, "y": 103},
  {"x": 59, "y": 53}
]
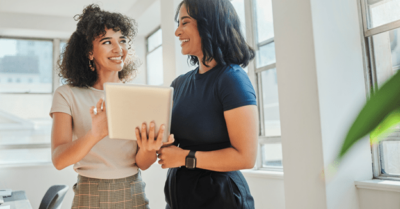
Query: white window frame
[
  {"x": 55, "y": 84},
  {"x": 148, "y": 52},
  {"x": 255, "y": 75},
  {"x": 371, "y": 79}
]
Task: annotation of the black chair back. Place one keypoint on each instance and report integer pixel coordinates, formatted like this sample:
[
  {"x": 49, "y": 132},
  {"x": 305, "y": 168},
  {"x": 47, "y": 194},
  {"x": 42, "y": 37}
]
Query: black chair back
[{"x": 54, "y": 197}]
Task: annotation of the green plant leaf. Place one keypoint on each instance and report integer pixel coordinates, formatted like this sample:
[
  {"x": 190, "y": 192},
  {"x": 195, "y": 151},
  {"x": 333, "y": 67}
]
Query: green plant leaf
[
  {"x": 386, "y": 126},
  {"x": 380, "y": 105}
]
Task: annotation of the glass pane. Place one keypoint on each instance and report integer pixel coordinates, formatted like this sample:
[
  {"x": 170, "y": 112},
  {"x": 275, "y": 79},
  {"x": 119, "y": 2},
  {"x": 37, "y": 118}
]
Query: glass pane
[
  {"x": 154, "y": 40},
  {"x": 155, "y": 74},
  {"x": 24, "y": 118},
  {"x": 382, "y": 12},
  {"x": 25, "y": 156},
  {"x": 265, "y": 24},
  {"x": 271, "y": 155},
  {"x": 239, "y": 7},
  {"x": 26, "y": 66},
  {"x": 266, "y": 55},
  {"x": 387, "y": 54},
  {"x": 390, "y": 157},
  {"x": 63, "y": 44},
  {"x": 272, "y": 123},
  {"x": 394, "y": 36}
]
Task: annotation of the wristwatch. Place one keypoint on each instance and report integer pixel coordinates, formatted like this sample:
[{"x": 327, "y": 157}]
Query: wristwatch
[{"x": 190, "y": 161}]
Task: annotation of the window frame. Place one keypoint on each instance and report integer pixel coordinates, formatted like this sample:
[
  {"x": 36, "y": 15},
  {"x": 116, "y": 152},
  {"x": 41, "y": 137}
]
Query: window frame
[
  {"x": 149, "y": 52},
  {"x": 55, "y": 84},
  {"x": 254, "y": 74},
  {"x": 371, "y": 81}
]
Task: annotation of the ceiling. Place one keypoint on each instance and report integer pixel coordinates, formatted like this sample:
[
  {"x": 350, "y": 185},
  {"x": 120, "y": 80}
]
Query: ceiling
[
  {"x": 54, "y": 18},
  {"x": 61, "y": 7}
]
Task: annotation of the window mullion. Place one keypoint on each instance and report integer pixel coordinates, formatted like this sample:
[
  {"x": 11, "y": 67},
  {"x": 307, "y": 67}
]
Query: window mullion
[
  {"x": 25, "y": 146},
  {"x": 267, "y": 67}
]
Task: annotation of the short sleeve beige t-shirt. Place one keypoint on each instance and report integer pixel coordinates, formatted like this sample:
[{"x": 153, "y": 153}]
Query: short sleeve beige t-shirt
[{"x": 109, "y": 158}]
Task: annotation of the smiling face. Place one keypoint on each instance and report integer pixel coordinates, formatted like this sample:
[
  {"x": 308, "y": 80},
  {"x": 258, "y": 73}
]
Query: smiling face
[
  {"x": 109, "y": 51},
  {"x": 188, "y": 34}
]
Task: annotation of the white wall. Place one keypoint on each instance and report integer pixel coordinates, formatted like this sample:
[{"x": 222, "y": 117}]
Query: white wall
[
  {"x": 35, "y": 180},
  {"x": 378, "y": 198}
]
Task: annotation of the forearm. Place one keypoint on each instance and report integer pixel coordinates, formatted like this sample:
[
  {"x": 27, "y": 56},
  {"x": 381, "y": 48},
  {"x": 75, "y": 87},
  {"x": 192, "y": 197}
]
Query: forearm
[
  {"x": 144, "y": 159},
  {"x": 224, "y": 160},
  {"x": 70, "y": 153}
]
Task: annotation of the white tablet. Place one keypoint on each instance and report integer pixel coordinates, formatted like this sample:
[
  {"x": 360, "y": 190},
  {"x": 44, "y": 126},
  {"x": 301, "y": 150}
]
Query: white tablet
[{"x": 128, "y": 106}]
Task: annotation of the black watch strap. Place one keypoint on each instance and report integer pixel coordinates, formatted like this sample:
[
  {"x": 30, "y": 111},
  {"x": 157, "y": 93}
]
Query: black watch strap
[
  {"x": 191, "y": 154},
  {"x": 191, "y": 160}
]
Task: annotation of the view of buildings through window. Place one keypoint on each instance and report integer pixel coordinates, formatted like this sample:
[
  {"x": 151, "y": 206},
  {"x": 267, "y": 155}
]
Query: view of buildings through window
[
  {"x": 26, "y": 66},
  {"x": 26, "y": 83}
]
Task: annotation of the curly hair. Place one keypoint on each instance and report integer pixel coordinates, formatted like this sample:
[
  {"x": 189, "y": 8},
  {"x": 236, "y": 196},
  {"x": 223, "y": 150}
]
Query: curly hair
[
  {"x": 219, "y": 30},
  {"x": 92, "y": 23}
]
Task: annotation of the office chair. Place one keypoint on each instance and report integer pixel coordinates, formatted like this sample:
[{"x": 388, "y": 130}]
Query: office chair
[{"x": 54, "y": 197}]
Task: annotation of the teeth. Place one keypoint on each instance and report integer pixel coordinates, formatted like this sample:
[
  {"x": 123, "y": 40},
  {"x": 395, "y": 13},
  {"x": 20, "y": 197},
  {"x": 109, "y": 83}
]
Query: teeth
[
  {"x": 186, "y": 40},
  {"x": 115, "y": 58}
]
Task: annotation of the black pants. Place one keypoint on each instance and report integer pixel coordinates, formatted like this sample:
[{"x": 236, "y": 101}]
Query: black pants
[{"x": 200, "y": 189}]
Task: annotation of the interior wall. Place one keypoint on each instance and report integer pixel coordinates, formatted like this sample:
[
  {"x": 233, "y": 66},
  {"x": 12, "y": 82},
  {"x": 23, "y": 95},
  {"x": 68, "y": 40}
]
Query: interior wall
[{"x": 373, "y": 199}]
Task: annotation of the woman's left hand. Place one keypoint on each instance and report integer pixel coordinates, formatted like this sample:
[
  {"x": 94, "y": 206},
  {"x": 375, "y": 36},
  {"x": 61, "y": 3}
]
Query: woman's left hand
[{"x": 172, "y": 156}]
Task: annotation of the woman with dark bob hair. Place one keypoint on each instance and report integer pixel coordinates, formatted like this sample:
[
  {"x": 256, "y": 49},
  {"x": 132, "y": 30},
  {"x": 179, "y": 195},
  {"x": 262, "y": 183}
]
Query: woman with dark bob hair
[
  {"x": 108, "y": 169},
  {"x": 214, "y": 116}
]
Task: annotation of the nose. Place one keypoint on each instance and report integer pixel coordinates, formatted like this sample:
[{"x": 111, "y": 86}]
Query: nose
[
  {"x": 178, "y": 32},
  {"x": 117, "y": 48}
]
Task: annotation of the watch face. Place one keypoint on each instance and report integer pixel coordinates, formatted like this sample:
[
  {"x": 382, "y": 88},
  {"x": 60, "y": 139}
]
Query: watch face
[{"x": 190, "y": 163}]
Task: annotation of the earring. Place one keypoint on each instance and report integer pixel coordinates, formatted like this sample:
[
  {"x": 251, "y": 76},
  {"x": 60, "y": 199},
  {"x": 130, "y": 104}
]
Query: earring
[{"x": 91, "y": 66}]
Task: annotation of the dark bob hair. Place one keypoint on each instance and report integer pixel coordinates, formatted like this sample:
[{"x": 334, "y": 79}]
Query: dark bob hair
[
  {"x": 219, "y": 29},
  {"x": 92, "y": 23}
]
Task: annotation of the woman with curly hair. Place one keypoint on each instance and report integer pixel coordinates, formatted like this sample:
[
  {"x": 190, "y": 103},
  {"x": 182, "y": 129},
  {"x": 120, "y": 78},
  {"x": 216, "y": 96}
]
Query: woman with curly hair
[
  {"x": 214, "y": 115},
  {"x": 108, "y": 169}
]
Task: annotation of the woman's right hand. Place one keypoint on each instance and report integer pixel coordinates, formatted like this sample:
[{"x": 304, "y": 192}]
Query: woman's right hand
[{"x": 99, "y": 121}]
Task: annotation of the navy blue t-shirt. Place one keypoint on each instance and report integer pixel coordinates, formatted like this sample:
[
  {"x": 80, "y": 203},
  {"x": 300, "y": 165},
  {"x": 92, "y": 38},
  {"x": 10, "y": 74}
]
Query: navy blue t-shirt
[{"x": 200, "y": 100}]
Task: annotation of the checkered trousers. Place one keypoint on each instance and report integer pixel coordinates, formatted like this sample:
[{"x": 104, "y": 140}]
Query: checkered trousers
[{"x": 124, "y": 193}]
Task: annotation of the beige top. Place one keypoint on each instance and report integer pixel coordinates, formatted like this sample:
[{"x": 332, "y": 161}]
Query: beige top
[{"x": 109, "y": 158}]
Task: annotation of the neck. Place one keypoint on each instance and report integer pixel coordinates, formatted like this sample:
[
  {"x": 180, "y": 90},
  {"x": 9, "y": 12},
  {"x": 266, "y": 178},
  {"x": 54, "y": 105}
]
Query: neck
[
  {"x": 203, "y": 68},
  {"x": 106, "y": 76}
]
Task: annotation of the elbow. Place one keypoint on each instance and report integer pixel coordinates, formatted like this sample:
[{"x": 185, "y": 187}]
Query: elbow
[
  {"x": 143, "y": 168},
  {"x": 58, "y": 165},
  {"x": 249, "y": 163}
]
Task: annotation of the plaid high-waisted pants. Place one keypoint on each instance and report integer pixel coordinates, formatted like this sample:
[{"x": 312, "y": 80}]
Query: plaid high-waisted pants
[{"x": 124, "y": 193}]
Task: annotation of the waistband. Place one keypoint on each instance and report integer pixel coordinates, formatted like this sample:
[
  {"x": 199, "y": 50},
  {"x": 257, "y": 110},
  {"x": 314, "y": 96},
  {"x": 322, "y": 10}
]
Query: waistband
[{"x": 136, "y": 177}]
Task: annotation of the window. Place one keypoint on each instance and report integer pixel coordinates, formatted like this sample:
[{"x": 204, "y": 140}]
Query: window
[
  {"x": 381, "y": 23},
  {"x": 154, "y": 58},
  {"x": 25, "y": 95},
  {"x": 22, "y": 59},
  {"x": 267, "y": 87},
  {"x": 264, "y": 71}
]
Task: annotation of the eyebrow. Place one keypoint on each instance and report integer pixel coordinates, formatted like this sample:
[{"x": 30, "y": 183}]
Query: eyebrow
[
  {"x": 184, "y": 17},
  {"x": 108, "y": 38}
]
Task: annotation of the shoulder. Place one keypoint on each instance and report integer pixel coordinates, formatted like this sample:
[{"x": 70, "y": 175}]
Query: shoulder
[
  {"x": 69, "y": 90},
  {"x": 233, "y": 73},
  {"x": 64, "y": 89}
]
